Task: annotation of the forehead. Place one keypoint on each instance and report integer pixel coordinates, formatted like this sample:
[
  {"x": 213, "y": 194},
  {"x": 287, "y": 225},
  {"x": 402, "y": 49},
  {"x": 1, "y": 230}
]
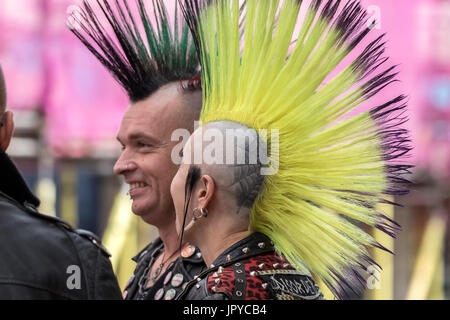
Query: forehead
[{"x": 158, "y": 115}]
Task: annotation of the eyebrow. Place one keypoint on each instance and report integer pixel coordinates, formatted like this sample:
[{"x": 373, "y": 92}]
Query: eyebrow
[{"x": 141, "y": 135}]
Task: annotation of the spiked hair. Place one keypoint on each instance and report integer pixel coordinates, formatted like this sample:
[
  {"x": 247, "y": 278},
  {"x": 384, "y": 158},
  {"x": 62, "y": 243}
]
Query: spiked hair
[
  {"x": 141, "y": 62},
  {"x": 336, "y": 161}
]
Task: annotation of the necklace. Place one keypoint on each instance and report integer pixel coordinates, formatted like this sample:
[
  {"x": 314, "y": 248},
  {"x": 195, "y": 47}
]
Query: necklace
[{"x": 158, "y": 270}]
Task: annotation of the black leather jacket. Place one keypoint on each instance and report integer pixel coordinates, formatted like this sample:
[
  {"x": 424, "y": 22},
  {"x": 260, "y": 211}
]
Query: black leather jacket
[
  {"x": 251, "y": 270},
  {"x": 170, "y": 284},
  {"x": 42, "y": 257}
]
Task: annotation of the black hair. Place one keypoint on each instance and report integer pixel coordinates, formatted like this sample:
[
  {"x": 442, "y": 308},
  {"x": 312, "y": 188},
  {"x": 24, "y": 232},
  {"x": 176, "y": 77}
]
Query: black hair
[
  {"x": 141, "y": 63},
  {"x": 192, "y": 178}
]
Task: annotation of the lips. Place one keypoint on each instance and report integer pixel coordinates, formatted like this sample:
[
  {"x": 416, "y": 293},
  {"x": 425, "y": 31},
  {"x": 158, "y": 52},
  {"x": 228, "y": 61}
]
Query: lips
[{"x": 136, "y": 187}]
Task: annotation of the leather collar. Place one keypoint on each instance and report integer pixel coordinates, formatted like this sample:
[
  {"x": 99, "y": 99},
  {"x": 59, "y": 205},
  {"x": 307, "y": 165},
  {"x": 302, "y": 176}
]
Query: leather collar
[
  {"x": 254, "y": 245},
  {"x": 12, "y": 183}
]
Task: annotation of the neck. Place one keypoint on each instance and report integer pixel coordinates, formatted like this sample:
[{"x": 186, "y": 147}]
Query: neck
[
  {"x": 169, "y": 237},
  {"x": 213, "y": 244}
]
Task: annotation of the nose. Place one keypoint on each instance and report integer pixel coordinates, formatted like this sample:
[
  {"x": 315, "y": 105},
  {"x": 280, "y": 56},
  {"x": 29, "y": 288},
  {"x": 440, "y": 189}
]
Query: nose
[{"x": 124, "y": 165}]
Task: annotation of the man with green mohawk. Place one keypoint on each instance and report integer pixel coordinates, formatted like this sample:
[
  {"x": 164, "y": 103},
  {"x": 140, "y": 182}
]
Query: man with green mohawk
[
  {"x": 276, "y": 185},
  {"x": 157, "y": 64}
]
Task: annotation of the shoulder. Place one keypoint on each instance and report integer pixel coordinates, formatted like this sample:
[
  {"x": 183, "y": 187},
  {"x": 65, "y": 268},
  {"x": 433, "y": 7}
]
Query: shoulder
[
  {"x": 263, "y": 277},
  {"x": 36, "y": 228},
  {"x": 54, "y": 250}
]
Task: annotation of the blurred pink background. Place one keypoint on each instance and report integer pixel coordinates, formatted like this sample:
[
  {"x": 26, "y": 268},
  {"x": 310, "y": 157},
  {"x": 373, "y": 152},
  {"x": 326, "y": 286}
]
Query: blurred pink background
[
  {"x": 47, "y": 68},
  {"x": 49, "y": 73}
]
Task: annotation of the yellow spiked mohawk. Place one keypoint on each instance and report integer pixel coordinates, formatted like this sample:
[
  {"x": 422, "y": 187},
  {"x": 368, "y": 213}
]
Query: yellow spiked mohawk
[{"x": 335, "y": 163}]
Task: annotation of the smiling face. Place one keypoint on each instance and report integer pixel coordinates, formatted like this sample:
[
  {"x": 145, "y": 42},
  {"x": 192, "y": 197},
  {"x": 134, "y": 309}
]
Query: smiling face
[{"x": 146, "y": 164}]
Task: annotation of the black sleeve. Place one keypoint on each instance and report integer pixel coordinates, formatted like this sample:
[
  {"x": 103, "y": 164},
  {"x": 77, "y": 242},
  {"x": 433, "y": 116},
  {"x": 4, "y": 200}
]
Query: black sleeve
[
  {"x": 106, "y": 285},
  {"x": 99, "y": 278}
]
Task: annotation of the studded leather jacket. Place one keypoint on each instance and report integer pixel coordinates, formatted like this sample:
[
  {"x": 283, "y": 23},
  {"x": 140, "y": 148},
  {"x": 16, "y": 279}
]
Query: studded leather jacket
[
  {"x": 43, "y": 257},
  {"x": 172, "y": 282},
  {"x": 251, "y": 270}
]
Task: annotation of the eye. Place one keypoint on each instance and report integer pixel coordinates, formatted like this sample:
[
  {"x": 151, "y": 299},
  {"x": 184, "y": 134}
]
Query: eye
[{"x": 141, "y": 144}]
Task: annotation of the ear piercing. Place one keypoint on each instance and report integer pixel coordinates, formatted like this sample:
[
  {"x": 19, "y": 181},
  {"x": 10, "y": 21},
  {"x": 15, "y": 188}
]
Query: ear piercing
[{"x": 203, "y": 214}]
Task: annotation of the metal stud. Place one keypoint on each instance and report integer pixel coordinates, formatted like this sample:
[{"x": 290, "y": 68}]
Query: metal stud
[
  {"x": 239, "y": 293},
  {"x": 197, "y": 286},
  {"x": 276, "y": 265},
  {"x": 286, "y": 265},
  {"x": 214, "y": 289},
  {"x": 262, "y": 266},
  {"x": 246, "y": 250},
  {"x": 217, "y": 281},
  {"x": 262, "y": 245},
  {"x": 220, "y": 270},
  {"x": 253, "y": 273},
  {"x": 216, "y": 275},
  {"x": 199, "y": 279},
  {"x": 199, "y": 255},
  {"x": 229, "y": 258},
  {"x": 212, "y": 266},
  {"x": 264, "y": 286}
]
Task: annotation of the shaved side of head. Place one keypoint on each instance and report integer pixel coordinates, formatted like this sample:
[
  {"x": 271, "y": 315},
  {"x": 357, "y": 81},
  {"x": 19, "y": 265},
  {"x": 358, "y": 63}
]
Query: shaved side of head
[{"x": 241, "y": 177}]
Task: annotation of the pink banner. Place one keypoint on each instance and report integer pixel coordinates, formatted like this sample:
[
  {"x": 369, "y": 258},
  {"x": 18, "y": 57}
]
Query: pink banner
[{"x": 46, "y": 66}]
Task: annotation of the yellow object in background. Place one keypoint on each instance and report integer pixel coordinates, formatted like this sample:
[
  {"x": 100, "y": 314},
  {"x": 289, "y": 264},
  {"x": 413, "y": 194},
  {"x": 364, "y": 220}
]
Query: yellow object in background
[
  {"x": 427, "y": 279},
  {"x": 69, "y": 210},
  {"x": 121, "y": 237},
  {"x": 383, "y": 288},
  {"x": 46, "y": 192}
]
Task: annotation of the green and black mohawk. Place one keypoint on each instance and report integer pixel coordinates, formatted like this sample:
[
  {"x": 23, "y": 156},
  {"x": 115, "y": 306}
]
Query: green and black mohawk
[{"x": 143, "y": 51}]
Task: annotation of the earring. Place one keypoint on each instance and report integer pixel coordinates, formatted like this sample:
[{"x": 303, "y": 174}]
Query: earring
[{"x": 203, "y": 214}]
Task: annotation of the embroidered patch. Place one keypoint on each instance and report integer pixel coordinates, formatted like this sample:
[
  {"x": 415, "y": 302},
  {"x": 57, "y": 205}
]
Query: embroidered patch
[{"x": 290, "y": 284}]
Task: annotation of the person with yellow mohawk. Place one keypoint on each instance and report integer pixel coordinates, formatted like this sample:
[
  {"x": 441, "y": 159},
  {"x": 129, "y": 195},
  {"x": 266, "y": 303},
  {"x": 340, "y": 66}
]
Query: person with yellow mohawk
[{"x": 278, "y": 185}]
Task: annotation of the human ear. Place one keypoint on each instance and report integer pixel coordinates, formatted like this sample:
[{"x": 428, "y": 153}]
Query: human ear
[
  {"x": 6, "y": 131},
  {"x": 205, "y": 191}
]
